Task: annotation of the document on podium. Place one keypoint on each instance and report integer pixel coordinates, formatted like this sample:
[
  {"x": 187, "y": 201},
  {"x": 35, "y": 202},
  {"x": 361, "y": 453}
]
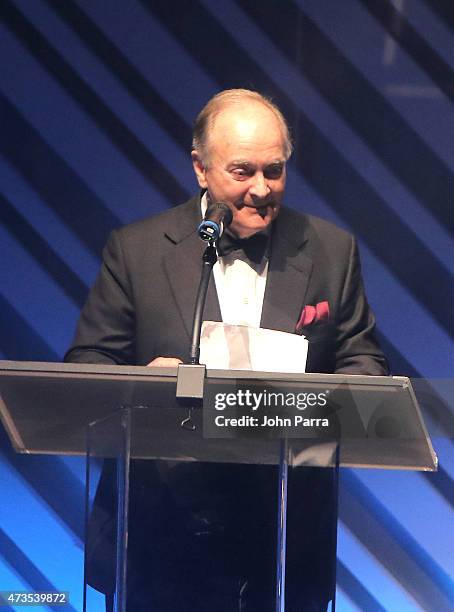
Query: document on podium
[{"x": 238, "y": 347}]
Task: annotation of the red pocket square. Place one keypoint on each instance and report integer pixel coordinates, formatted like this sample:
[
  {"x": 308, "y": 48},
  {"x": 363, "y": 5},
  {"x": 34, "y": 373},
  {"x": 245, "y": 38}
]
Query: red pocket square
[{"x": 310, "y": 315}]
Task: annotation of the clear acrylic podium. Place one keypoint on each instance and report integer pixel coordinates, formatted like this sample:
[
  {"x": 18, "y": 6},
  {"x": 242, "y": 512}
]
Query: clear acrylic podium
[{"x": 188, "y": 497}]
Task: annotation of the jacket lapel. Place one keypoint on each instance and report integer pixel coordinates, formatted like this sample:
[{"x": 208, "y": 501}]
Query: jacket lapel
[
  {"x": 288, "y": 278},
  {"x": 289, "y": 273},
  {"x": 183, "y": 266}
]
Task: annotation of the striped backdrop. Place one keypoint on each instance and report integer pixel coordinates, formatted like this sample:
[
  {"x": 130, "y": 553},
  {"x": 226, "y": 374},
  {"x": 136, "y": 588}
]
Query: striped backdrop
[{"x": 97, "y": 99}]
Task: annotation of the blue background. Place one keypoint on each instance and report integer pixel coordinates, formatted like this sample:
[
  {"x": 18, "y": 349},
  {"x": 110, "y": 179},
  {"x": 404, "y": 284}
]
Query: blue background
[{"x": 97, "y": 99}]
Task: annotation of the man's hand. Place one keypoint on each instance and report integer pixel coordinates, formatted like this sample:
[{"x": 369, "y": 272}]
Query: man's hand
[{"x": 164, "y": 362}]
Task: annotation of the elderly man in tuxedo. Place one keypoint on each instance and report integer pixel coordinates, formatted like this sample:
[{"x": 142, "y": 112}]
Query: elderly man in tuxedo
[{"x": 277, "y": 269}]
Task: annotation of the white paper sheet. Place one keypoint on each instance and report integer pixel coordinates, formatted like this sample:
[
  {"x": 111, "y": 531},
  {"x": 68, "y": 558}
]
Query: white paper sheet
[{"x": 237, "y": 347}]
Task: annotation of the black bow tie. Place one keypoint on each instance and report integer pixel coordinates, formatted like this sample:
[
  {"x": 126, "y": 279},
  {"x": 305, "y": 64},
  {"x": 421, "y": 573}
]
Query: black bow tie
[{"x": 253, "y": 247}]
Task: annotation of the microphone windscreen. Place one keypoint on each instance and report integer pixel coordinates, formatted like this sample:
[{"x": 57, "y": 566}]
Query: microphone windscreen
[{"x": 218, "y": 216}]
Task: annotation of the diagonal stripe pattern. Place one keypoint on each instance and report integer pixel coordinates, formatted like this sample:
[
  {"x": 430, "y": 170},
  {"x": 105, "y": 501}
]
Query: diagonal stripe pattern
[{"x": 76, "y": 74}]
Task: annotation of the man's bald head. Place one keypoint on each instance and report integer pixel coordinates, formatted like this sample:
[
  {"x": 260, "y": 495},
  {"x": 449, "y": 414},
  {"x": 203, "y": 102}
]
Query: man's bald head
[
  {"x": 241, "y": 146},
  {"x": 229, "y": 99}
]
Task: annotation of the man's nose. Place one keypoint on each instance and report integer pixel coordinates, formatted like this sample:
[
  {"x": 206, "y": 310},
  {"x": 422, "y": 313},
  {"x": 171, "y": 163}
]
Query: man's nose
[{"x": 259, "y": 187}]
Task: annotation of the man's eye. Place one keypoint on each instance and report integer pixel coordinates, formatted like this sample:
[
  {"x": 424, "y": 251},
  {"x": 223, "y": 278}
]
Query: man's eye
[
  {"x": 274, "y": 172},
  {"x": 240, "y": 173}
]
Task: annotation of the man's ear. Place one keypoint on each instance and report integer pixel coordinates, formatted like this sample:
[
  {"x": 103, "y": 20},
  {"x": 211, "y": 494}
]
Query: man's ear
[{"x": 199, "y": 170}]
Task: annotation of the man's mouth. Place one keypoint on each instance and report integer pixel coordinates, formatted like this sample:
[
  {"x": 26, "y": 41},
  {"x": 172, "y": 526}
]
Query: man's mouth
[{"x": 260, "y": 207}]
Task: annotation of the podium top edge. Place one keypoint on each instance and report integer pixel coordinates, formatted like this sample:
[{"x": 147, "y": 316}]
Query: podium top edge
[{"x": 43, "y": 367}]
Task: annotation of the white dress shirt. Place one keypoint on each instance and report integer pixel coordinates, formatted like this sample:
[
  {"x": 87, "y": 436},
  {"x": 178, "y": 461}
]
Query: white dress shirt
[{"x": 240, "y": 285}]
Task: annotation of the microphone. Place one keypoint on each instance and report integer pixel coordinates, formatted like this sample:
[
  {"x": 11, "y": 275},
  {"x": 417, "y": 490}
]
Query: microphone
[{"x": 218, "y": 216}]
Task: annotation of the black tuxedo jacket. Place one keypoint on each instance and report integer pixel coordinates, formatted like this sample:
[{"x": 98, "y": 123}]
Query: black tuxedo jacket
[{"x": 141, "y": 306}]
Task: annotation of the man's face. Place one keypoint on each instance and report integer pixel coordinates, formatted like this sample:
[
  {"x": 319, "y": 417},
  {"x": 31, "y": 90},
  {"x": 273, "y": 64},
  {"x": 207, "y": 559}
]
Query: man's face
[{"x": 246, "y": 166}]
